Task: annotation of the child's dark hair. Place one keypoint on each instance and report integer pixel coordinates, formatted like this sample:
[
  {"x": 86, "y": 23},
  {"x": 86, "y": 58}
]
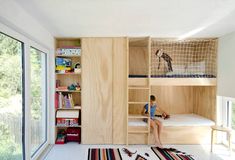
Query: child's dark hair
[{"x": 152, "y": 98}]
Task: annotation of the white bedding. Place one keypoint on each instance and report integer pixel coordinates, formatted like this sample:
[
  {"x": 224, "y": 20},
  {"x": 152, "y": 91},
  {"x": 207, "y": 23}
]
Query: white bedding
[
  {"x": 186, "y": 120},
  {"x": 137, "y": 122},
  {"x": 177, "y": 120}
]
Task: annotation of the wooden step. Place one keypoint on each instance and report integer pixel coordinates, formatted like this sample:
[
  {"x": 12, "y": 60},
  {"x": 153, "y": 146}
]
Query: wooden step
[
  {"x": 138, "y": 88},
  {"x": 138, "y": 102},
  {"x": 137, "y": 116}
]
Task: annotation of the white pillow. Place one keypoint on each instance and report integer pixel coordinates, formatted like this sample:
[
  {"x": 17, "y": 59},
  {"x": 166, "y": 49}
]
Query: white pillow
[{"x": 196, "y": 68}]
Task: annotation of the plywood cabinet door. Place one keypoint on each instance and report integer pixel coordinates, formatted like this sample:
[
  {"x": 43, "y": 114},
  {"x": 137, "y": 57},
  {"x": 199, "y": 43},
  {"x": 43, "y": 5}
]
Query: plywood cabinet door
[
  {"x": 97, "y": 90},
  {"x": 119, "y": 90}
]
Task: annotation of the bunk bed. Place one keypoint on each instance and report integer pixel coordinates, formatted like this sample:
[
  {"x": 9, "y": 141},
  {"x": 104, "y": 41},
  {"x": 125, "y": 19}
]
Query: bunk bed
[{"x": 186, "y": 89}]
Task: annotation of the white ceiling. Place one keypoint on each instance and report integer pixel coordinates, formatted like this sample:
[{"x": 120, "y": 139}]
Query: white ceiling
[{"x": 156, "y": 18}]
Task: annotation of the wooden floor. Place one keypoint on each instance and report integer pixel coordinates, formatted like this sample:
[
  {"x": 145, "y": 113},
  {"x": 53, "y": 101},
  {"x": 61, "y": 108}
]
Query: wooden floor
[{"x": 73, "y": 151}]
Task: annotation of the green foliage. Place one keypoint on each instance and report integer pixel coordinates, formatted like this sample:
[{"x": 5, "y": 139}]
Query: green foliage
[
  {"x": 36, "y": 83},
  {"x": 11, "y": 92},
  {"x": 9, "y": 150},
  {"x": 10, "y": 70}
]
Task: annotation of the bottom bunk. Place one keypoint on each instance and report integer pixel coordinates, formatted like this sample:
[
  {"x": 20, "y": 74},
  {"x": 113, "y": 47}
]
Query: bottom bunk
[{"x": 178, "y": 129}]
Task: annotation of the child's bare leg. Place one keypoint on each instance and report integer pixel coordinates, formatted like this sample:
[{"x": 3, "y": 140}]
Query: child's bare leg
[
  {"x": 159, "y": 124},
  {"x": 155, "y": 133}
]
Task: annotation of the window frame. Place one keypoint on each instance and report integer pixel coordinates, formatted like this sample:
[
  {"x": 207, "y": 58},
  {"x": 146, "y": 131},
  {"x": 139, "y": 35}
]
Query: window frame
[
  {"x": 45, "y": 99},
  {"x": 26, "y": 44},
  {"x": 226, "y": 115}
]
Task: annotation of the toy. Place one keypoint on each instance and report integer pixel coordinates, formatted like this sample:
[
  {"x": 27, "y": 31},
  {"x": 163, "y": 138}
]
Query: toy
[
  {"x": 74, "y": 87},
  {"x": 160, "y": 54},
  {"x": 77, "y": 68},
  {"x": 61, "y": 137},
  {"x": 129, "y": 153}
]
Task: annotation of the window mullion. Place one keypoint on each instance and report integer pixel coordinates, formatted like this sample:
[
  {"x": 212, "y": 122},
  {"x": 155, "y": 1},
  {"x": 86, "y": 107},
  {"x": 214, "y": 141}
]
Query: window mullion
[{"x": 27, "y": 102}]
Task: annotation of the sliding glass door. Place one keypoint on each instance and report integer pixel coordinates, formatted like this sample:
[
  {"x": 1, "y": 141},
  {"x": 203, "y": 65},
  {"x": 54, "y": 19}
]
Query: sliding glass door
[
  {"x": 11, "y": 98},
  {"x": 23, "y": 97},
  {"x": 38, "y": 93}
]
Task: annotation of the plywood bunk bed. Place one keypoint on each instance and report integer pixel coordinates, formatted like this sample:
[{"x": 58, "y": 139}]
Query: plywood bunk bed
[{"x": 187, "y": 93}]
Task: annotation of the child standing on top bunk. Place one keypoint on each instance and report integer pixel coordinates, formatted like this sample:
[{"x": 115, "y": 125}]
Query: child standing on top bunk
[{"x": 155, "y": 124}]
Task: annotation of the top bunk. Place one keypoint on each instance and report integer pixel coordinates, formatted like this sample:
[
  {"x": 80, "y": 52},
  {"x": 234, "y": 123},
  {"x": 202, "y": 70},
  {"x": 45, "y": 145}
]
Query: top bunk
[{"x": 171, "y": 62}]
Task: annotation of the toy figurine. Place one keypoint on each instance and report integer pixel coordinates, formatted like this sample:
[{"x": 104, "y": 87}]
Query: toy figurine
[{"x": 160, "y": 54}]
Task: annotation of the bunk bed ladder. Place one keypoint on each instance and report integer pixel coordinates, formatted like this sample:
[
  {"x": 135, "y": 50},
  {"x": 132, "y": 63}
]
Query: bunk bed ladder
[{"x": 139, "y": 88}]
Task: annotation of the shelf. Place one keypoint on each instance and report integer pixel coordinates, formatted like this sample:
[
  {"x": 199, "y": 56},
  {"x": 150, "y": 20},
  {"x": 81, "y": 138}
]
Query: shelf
[
  {"x": 79, "y": 126},
  {"x": 69, "y": 108},
  {"x": 72, "y": 91},
  {"x": 137, "y": 116},
  {"x": 72, "y": 56},
  {"x": 68, "y": 73},
  {"x": 138, "y": 102},
  {"x": 173, "y": 81}
]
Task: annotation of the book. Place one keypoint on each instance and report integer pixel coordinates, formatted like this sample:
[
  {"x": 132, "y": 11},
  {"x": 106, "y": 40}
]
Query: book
[
  {"x": 69, "y": 51},
  {"x": 71, "y": 100},
  {"x": 60, "y": 100},
  {"x": 56, "y": 100}
]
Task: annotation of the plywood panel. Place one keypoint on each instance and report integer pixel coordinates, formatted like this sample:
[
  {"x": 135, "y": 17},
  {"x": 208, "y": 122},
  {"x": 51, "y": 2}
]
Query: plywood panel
[
  {"x": 174, "y": 99},
  {"x": 205, "y": 102},
  {"x": 138, "y": 61},
  {"x": 183, "y": 81},
  {"x": 138, "y": 81},
  {"x": 138, "y": 139},
  {"x": 186, "y": 135},
  {"x": 177, "y": 135},
  {"x": 67, "y": 80},
  {"x": 138, "y": 95},
  {"x": 68, "y": 42},
  {"x": 119, "y": 90},
  {"x": 97, "y": 90}
]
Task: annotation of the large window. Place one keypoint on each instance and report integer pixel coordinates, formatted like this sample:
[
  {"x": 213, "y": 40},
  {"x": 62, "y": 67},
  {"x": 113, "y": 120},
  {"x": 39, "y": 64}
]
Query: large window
[
  {"x": 11, "y": 93},
  {"x": 23, "y": 96},
  {"x": 38, "y": 99}
]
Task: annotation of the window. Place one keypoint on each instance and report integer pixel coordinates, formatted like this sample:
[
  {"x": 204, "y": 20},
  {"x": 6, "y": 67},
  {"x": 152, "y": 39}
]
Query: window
[
  {"x": 38, "y": 99},
  {"x": 229, "y": 119},
  {"x": 11, "y": 96},
  {"x": 23, "y": 97}
]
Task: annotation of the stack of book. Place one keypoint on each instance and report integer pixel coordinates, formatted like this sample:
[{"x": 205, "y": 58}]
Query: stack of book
[
  {"x": 63, "y": 100},
  {"x": 69, "y": 51}
]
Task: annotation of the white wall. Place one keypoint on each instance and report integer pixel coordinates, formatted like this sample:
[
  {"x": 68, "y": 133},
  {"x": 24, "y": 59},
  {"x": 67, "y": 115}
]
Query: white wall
[
  {"x": 226, "y": 65},
  {"x": 12, "y": 15},
  {"x": 16, "y": 18}
]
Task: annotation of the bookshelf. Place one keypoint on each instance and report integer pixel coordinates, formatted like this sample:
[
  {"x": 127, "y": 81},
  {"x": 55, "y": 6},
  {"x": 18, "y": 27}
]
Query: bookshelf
[{"x": 68, "y": 75}]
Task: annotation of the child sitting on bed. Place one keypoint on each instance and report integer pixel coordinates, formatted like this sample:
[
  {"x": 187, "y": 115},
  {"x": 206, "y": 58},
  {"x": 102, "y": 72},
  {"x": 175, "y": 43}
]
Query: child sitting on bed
[{"x": 155, "y": 124}]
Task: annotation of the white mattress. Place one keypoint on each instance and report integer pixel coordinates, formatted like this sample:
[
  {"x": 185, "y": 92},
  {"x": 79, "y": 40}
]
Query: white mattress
[
  {"x": 177, "y": 120},
  {"x": 186, "y": 120},
  {"x": 137, "y": 122}
]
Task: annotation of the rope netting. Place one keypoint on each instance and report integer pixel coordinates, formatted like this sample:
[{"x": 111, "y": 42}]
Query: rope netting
[{"x": 189, "y": 58}]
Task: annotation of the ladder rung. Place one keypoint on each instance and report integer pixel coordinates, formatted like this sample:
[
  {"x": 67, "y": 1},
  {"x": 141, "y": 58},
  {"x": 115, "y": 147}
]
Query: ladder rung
[
  {"x": 138, "y": 102},
  {"x": 139, "y": 88}
]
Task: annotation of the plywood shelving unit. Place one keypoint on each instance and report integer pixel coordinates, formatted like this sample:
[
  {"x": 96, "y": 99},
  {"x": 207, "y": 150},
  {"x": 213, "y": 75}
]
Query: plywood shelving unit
[{"x": 66, "y": 79}]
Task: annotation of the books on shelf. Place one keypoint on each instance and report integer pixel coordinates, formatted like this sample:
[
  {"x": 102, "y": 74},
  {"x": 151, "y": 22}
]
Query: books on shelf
[
  {"x": 69, "y": 51},
  {"x": 64, "y": 101}
]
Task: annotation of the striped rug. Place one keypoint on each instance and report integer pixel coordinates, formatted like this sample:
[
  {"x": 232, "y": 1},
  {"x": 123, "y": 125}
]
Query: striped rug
[
  {"x": 170, "y": 154},
  {"x": 104, "y": 154}
]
